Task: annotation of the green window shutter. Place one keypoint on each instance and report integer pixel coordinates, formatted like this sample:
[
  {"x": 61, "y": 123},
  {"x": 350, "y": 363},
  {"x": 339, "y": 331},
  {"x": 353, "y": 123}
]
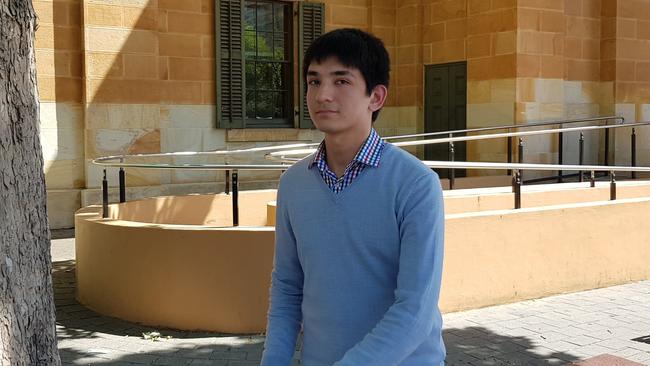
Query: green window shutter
[
  {"x": 231, "y": 103},
  {"x": 312, "y": 25}
]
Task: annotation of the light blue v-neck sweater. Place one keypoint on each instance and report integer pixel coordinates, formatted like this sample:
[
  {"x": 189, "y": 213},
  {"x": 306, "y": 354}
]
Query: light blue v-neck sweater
[{"x": 359, "y": 270}]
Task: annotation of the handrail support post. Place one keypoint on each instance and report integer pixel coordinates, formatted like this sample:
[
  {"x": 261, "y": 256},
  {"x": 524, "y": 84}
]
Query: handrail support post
[
  {"x": 521, "y": 156},
  {"x": 235, "y": 198},
  {"x": 227, "y": 189},
  {"x": 516, "y": 186},
  {"x": 509, "y": 172},
  {"x": 122, "y": 178},
  {"x": 633, "y": 147},
  {"x": 581, "y": 154},
  {"x": 560, "y": 156},
  {"x": 452, "y": 171},
  {"x": 612, "y": 186},
  {"x": 607, "y": 146},
  {"x": 105, "y": 196}
]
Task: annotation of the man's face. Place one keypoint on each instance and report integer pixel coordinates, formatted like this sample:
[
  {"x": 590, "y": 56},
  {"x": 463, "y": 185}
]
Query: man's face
[{"x": 337, "y": 99}]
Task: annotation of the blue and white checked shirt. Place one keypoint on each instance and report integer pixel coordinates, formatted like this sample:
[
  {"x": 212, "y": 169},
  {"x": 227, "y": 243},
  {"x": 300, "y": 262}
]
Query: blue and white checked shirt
[{"x": 369, "y": 155}]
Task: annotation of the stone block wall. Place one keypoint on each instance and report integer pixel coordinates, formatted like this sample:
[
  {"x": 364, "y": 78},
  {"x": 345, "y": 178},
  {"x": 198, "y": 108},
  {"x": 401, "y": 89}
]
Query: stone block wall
[
  {"x": 59, "y": 66},
  {"x": 131, "y": 77},
  {"x": 626, "y": 42},
  {"x": 150, "y": 71},
  {"x": 560, "y": 63},
  {"x": 128, "y": 77},
  {"x": 491, "y": 71}
]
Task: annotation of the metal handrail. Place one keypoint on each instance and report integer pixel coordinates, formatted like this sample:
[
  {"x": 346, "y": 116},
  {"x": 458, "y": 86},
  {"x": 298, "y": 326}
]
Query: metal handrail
[
  {"x": 517, "y": 168},
  {"x": 102, "y": 160},
  {"x": 273, "y": 155},
  {"x": 509, "y": 127},
  {"x": 517, "y": 182},
  {"x": 528, "y": 166}
]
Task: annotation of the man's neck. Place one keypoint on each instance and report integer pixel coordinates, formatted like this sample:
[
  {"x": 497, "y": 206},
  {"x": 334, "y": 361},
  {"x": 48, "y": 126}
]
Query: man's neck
[{"x": 342, "y": 148}]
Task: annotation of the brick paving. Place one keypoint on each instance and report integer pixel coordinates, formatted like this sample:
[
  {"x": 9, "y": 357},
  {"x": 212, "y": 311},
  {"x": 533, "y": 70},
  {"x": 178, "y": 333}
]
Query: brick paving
[{"x": 557, "y": 330}]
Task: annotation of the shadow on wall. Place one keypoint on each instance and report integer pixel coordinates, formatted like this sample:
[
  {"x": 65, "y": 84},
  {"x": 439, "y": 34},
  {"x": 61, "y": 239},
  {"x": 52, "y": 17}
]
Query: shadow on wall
[
  {"x": 150, "y": 85},
  {"x": 59, "y": 59},
  {"x": 188, "y": 210},
  {"x": 88, "y": 337}
]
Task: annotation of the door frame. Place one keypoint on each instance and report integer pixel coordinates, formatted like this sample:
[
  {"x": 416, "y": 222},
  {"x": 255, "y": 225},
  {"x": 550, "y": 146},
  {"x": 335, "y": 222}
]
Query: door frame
[{"x": 446, "y": 65}]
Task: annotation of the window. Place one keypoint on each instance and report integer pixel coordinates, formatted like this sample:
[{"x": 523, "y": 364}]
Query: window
[
  {"x": 259, "y": 62},
  {"x": 267, "y": 29}
]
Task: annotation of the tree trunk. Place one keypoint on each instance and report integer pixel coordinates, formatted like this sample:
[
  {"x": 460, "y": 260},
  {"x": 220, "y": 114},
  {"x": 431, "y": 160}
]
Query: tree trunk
[{"x": 27, "y": 323}]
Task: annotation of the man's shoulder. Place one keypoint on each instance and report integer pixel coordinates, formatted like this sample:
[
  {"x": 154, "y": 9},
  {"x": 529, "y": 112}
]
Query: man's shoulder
[
  {"x": 297, "y": 172},
  {"x": 404, "y": 163}
]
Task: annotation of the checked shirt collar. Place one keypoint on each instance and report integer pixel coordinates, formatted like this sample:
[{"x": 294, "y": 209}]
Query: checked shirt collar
[{"x": 369, "y": 155}]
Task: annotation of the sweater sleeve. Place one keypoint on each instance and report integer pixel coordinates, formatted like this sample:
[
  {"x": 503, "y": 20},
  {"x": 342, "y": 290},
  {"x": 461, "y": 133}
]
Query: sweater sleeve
[
  {"x": 285, "y": 315},
  {"x": 412, "y": 317}
]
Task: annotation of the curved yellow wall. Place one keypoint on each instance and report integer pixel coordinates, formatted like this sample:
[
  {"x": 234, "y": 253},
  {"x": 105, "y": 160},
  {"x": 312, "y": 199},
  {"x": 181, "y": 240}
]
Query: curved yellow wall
[
  {"x": 217, "y": 278},
  {"x": 506, "y": 256},
  {"x": 178, "y": 276}
]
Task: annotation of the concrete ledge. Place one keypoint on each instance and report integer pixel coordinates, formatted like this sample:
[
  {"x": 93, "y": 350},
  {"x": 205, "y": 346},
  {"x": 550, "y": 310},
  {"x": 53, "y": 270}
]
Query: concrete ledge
[
  {"x": 502, "y": 198},
  {"x": 61, "y": 207}
]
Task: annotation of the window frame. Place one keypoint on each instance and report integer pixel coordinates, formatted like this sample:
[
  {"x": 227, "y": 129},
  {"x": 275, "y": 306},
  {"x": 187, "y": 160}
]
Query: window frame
[
  {"x": 289, "y": 116},
  {"x": 307, "y": 23}
]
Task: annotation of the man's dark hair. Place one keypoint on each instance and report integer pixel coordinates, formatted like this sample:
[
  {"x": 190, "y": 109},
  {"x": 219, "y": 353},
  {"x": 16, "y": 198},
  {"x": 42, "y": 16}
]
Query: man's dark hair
[{"x": 353, "y": 48}]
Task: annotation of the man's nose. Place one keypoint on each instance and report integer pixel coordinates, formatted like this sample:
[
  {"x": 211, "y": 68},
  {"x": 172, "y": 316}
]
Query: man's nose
[{"x": 325, "y": 93}]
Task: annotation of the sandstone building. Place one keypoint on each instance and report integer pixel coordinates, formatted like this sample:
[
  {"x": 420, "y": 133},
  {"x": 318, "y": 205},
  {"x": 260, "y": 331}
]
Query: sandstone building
[{"x": 144, "y": 76}]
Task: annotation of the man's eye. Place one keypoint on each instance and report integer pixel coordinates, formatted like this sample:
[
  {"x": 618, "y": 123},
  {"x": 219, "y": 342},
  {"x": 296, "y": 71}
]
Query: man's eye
[
  {"x": 312, "y": 82},
  {"x": 342, "y": 81}
]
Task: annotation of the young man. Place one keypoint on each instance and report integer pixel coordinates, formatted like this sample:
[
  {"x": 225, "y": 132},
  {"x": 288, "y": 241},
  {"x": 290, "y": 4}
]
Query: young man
[{"x": 360, "y": 224}]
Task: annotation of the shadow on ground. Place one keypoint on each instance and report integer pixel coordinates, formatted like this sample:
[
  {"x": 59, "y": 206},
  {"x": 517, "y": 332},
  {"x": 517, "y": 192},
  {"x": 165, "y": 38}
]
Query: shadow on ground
[
  {"x": 479, "y": 346},
  {"x": 62, "y": 234},
  {"x": 86, "y": 337}
]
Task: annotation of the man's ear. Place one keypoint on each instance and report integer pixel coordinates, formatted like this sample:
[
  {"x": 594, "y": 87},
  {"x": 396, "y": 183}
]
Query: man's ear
[{"x": 377, "y": 97}]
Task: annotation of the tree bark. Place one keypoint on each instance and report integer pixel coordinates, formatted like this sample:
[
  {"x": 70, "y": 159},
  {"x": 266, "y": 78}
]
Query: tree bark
[{"x": 27, "y": 323}]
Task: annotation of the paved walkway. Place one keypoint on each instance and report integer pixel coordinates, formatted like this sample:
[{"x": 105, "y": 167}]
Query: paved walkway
[{"x": 557, "y": 330}]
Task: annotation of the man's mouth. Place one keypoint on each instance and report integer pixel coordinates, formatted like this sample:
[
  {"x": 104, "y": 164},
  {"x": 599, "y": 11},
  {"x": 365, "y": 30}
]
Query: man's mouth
[{"x": 326, "y": 111}]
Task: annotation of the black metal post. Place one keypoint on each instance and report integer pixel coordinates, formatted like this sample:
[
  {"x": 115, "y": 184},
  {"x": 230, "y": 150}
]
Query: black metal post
[
  {"x": 104, "y": 196},
  {"x": 521, "y": 156},
  {"x": 122, "y": 177},
  {"x": 581, "y": 154},
  {"x": 592, "y": 179},
  {"x": 612, "y": 186},
  {"x": 607, "y": 146},
  {"x": 633, "y": 144},
  {"x": 517, "y": 187},
  {"x": 452, "y": 171},
  {"x": 235, "y": 199},
  {"x": 509, "y": 153},
  {"x": 560, "y": 155},
  {"x": 227, "y": 181}
]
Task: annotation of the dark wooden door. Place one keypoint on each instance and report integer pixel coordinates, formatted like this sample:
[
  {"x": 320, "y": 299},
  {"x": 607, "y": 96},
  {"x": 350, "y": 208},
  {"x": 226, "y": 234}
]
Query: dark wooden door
[{"x": 445, "y": 108}]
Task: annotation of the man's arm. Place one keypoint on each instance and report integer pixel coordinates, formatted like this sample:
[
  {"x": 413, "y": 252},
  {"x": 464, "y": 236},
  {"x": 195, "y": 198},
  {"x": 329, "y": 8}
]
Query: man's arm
[
  {"x": 410, "y": 319},
  {"x": 285, "y": 315}
]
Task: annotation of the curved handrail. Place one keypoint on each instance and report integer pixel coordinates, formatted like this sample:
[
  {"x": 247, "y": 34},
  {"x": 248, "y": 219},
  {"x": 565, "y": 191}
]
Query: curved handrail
[
  {"x": 509, "y": 127},
  {"x": 525, "y": 166},
  {"x": 281, "y": 156},
  {"x": 278, "y": 154},
  {"x": 100, "y": 161},
  {"x": 106, "y": 161}
]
